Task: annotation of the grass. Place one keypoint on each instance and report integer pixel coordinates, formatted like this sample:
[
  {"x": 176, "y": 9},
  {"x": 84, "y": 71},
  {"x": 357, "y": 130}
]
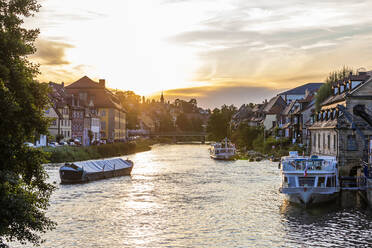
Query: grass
[{"x": 71, "y": 154}]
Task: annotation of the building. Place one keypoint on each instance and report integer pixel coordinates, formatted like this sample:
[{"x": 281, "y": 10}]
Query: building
[
  {"x": 60, "y": 111},
  {"x": 300, "y": 92},
  {"x": 342, "y": 133},
  {"x": 111, "y": 113},
  {"x": 272, "y": 112}
]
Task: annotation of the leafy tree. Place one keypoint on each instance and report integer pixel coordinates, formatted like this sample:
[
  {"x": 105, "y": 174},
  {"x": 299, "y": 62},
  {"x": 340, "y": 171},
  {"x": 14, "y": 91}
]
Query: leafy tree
[
  {"x": 183, "y": 122},
  {"x": 219, "y": 122},
  {"x": 326, "y": 89},
  {"x": 197, "y": 124},
  {"x": 132, "y": 104},
  {"x": 166, "y": 123},
  {"x": 24, "y": 194},
  {"x": 90, "y": 136},
  {"x": 244, "y": 135},
  {"x": 59, "y": 137}
]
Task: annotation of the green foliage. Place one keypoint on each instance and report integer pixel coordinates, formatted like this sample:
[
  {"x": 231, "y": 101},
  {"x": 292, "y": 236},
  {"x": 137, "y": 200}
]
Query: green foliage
[
  {"x": 71, "y": 154},
  {"x": 183, "y": 122},
  {"x": 24, "y": 194},
  {"x": 219, "y": 122},
  {"x": 326, "y": 89},
  {"x": 59, "y": 137},
  {"x": 244, "y": 136},
  {"x": 90, "y": 136},
  {"x": 166, "y": 123},
  {"x": 132, "y": 104}
]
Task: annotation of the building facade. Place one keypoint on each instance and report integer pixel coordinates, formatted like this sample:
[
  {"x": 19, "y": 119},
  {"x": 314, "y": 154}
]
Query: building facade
[
  {"x": 338, "y": 129},
  {"x": 111, "y": 113}
]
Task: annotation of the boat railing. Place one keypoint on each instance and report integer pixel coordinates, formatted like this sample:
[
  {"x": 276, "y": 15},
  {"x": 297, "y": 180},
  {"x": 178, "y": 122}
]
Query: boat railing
[{"x": 308, "y": 166}]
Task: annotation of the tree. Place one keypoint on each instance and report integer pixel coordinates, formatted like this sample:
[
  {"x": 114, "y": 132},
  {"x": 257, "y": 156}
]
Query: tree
[
  {"x": 326, "y": 89},
  {"x": 90, "y": 136},
  {"x": 59, "y": 137},
  {"x": 219, "y": 122},
  {"x": 24, "y": 193},
  {"x": 131, "y": 103},
  {"x": 183, "y": 122}
]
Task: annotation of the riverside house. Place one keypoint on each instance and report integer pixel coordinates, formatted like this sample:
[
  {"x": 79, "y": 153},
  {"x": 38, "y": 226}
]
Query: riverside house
[
  {"x": 60, "y": 111},
  {"x": 332, "y": 133},
  {"x": 111, "y": 113}
]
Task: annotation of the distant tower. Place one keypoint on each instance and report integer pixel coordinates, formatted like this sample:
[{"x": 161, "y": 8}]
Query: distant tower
[{"x": 162, "y": 97}]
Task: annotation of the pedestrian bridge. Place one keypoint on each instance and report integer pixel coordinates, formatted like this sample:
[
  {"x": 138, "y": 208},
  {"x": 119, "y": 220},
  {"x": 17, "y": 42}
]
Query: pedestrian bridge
[{"x": 179, "y": 135}]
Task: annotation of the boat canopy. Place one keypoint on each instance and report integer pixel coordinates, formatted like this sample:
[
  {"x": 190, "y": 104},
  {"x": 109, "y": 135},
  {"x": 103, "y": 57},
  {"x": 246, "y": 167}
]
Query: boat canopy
[{"x": 103, "y": 165}]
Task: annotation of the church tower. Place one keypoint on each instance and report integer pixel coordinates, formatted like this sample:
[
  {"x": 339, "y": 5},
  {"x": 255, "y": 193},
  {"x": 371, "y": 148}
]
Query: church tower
[{"x": 162, "y": 97}]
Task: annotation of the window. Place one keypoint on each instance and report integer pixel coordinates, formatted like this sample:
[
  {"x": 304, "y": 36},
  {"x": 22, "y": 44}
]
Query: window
[
  {"x": 103, "y": 113},
  {"x": 334, "y": 142},
  {"x": 319, "y": 140},
  {"x": 314, "y": 140},
  {"x": 329, "y": 141},
  {"x": 351, "y": 143},
  {"x": 83, "y": 96}
]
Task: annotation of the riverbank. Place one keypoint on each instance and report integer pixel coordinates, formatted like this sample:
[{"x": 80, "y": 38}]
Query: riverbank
[{"x": 70, "y": 154}]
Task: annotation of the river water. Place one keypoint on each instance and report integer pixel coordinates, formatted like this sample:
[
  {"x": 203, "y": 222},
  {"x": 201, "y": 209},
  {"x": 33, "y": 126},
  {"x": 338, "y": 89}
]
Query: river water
[{"x": 178, "y": 197}]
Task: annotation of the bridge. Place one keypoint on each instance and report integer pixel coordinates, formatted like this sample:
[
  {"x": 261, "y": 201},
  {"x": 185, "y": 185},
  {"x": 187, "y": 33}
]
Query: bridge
[{"x": 202, "y": 136}]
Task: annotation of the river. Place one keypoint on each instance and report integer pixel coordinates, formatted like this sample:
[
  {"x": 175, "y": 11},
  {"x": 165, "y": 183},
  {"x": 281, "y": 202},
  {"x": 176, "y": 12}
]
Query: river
[{"x": 178, "y": 197}]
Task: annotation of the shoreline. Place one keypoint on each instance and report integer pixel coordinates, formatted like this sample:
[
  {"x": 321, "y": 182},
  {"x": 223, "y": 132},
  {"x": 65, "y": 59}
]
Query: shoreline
[{"x": 66, "y": 154}]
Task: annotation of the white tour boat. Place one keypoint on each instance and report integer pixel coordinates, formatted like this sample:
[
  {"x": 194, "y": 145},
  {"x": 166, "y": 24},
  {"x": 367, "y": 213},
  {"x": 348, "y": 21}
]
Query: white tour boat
[
  {"x": 309, "y": 180},
  {"x": 224, "y": 150}
]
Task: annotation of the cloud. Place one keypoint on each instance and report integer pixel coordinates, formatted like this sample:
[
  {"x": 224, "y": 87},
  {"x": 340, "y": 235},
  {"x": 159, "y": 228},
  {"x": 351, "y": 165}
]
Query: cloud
[
  {"x": 271, "y": 43},
  {"x": 216, "y": 96},
  {"x": 51, "y": 53}
]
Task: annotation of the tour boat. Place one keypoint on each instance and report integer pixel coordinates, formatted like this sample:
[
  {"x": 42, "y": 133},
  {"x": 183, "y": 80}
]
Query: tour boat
[
  {"x": 90, "y": 170},
  {"x": 309, "y": 180},
  {"x": 224, "y": 150}
]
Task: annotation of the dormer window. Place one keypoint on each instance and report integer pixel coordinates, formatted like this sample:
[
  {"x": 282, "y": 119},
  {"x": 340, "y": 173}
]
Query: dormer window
[
  {"x": 319, "y": 116},
  {"x": 335, "y": 90},
  {"x": 342, "y": 88},
  {"x": 328, "y": 115},
  {"x": 323, "y": 116}
]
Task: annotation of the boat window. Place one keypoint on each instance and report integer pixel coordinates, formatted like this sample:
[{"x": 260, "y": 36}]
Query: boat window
[
  {"x": 321, "y": 182},
  {"x": 306, "y": 181},
  {"x": 331, "y": 181}
]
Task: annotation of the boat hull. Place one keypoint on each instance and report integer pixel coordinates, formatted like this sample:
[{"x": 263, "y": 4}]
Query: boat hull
[
  {"x": 310, "y": 198},
  {"x": 222, "y": 157},
  {"x": 71, "y": 177}
]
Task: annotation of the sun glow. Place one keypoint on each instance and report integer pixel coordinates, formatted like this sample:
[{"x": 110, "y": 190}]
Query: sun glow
[{"x": 123, "y": 42}]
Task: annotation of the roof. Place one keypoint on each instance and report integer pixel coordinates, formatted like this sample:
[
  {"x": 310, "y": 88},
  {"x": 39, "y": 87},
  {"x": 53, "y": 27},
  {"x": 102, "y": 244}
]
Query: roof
[
  {"x": 83, "y": 83},
  {"x": 259, "y": 107},
  {"x": 103, "y": 98},
  {"x": 275, "y": 105},
  {"x": 288, "y": 108},
  {"x": 301, "y": 90}
]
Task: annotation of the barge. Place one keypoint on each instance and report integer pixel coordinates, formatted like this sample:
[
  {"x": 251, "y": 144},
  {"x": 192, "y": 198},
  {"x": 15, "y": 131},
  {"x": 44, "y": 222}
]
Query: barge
[{"x": 91, "y": 170}]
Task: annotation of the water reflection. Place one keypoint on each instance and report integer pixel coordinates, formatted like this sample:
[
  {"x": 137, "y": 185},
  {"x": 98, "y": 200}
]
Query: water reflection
[
  {"x": 178, "y": 197},
  {"x": 345, "y": 222}
]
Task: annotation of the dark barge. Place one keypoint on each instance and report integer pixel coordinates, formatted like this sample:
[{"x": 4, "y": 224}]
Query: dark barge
[{"x": 91, "y": 170}]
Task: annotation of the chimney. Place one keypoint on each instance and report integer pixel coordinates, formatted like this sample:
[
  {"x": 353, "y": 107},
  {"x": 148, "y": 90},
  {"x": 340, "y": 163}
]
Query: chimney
[
  {"x": 102, "y": 83},
  {"x": 63, "y": 84},
  {"x": 307, "y": 93}
]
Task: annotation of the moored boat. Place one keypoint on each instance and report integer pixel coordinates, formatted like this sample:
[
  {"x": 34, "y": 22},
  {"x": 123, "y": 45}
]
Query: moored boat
[
  {"x": 90, "y": 170},
  {"x": 224, "y": 150},
  {"x": 309, "y": 180}
]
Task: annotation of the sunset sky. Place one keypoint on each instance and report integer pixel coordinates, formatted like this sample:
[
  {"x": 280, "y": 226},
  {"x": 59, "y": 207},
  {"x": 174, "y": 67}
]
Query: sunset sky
[{"x": 230, "y": 51}]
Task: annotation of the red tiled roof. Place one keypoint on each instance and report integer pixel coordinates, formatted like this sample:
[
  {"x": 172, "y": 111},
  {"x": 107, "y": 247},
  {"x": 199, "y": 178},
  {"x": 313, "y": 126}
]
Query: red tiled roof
[{"x": 83, "y": 83}]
